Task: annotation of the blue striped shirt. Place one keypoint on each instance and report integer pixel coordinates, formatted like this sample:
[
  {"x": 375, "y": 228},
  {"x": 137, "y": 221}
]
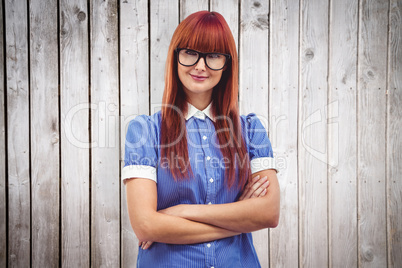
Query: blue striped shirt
[{"x": 207, "y": 186}]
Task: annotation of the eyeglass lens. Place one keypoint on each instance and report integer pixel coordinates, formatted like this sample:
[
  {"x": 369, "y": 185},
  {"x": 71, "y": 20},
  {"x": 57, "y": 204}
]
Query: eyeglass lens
[{"x": 213, "y": 60}]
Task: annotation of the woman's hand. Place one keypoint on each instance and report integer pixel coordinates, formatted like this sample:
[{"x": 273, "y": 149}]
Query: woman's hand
[
  {"x": 145, "y": 244},
  {"x": 257, "y": 187}
]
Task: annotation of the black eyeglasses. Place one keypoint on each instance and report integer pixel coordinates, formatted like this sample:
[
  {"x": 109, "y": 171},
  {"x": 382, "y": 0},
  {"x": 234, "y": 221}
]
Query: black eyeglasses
[{"x": 214, "y": 61}]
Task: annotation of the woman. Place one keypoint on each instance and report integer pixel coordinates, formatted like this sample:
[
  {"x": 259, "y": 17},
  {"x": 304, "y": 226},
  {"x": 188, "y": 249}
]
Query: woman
[{"x": 197, "y": 173}]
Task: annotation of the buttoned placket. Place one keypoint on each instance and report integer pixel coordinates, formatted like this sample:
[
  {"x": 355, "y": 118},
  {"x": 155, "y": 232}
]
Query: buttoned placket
[{"x": 206, "y": 143}]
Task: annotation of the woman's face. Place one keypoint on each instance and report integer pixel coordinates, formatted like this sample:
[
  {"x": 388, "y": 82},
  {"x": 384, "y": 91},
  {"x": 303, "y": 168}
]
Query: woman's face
[{"x": 198, "y": 79}]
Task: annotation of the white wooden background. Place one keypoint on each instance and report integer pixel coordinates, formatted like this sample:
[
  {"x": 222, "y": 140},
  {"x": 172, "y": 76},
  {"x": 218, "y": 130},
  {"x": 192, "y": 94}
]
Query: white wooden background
[{"x": 324, "y": 76}]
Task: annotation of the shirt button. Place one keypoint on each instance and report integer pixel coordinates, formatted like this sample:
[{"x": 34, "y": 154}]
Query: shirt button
[
  {"x": 211, "y": 180},
  {"x": 204, "y": 137},
  {"x": 208, "y": 158},
  {"x": 208, "y": 245}
]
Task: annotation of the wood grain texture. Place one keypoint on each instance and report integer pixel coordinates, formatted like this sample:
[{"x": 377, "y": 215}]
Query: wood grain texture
[
  {"x": 188, "y": 7},
  {"x": 283, "y": 97},
  {"x": 104, "y": 76},
  {"x": 164, "y": 18},
  {"x": 394, "y": 142},
  {"x": 3, "y": 197},
  {"x": 312, "y": 150},
  {"x": 371, "y": 127},
  {"x": 324, "y": 80},
  {"x": 45, "y": 144},
  {"x": 18, "y": 140},
  {"x": 342, "y": 142},
  {"x": 229, "y": 9},
  {"x": 75, "y": 244},
  {"x": 134, "y": 98},
  {"x": 253, "y": 82}
]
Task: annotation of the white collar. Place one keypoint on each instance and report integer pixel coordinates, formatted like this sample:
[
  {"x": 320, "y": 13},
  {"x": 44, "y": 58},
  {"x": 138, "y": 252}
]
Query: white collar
[{"x": 192, "y": 111}]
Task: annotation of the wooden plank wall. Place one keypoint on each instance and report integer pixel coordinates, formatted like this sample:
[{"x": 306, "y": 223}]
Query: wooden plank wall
[
  {"x": 44, "y": 136},
  {"x": 74, "y": 110},
  {"x": 325, "y": 78},
  {"x": 3, "y": 167}
]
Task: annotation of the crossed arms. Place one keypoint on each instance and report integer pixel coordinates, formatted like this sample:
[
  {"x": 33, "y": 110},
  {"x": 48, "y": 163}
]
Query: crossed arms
[{"x": 188, "y": 224}]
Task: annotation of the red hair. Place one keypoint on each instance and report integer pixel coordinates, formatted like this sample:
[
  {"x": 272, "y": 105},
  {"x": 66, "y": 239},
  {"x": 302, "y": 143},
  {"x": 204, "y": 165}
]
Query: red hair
[{"x": 208, "y": 32}]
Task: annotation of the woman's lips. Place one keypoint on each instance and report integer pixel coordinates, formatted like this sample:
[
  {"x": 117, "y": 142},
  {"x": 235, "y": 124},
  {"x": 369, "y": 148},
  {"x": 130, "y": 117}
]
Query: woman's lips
[{"x": 198, "y": 78}]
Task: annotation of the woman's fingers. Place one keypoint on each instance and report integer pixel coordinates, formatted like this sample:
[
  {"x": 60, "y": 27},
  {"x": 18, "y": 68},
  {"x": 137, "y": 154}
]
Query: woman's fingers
[
  {"x": 247, "y": 191},
  {"x": 256, "y": 188},
  {"x": 247, "y": 188},
  {"x": 145, "y": 244},
  {"x": 261, "y": 191}
]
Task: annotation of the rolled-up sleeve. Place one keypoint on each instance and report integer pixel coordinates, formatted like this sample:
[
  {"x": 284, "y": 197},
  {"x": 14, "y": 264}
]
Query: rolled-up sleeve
[
  {"x": 258, "y": 144},
  {"x": 141, "y": 154}
]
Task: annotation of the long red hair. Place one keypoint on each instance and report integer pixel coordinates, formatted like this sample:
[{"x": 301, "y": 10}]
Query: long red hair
[{"x": 208, "y": 32}]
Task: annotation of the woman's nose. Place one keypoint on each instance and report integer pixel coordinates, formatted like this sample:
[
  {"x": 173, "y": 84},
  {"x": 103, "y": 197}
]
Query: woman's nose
[{"x": 200, "y": 65}]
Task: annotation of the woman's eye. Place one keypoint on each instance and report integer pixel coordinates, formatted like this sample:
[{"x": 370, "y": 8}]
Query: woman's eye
[
  {"x": 214, "y": 56},
  {"x": 190, "y": 52}
]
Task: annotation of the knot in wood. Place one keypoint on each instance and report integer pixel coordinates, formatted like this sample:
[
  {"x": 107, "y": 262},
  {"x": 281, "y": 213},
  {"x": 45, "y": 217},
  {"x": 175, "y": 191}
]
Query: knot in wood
[
  {"x": 81, "y": 16},
  {"x": 309, "y": 54},
  {"x": 368, "y": 255},
  {"x": 370, "y": 74}
]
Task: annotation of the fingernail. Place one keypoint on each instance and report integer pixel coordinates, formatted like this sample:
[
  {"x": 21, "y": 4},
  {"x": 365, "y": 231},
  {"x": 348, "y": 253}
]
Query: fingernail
[
  {"x": 264, "y": 192},
  {"x": 256, "y": 177}
]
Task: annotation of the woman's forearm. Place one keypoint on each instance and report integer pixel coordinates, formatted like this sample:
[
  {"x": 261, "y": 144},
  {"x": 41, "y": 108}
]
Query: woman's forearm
[
  {"x": 150, "y": 225},
  {"x": 175, "y": 230},
  {"x": 243, "y": 216}
]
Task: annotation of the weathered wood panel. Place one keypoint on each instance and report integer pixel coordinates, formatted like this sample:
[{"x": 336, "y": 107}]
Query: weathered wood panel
[
  {"x": 18, "y": 140},
  {"x": 105, "y": 187},
  {"x": 371, "y": 115},
  {"x": 3, "y": 156},
  {"x": 342, "y": 143},
  {"x": 283, "y": 99},
  {"x": 74, "y": 75},
  {"x": 253, "y": 82},
  {"x": 312, "y": 161},
  {"x": 134, "y": 98},
  {"x": 188, "y": 7},
  {"x": 44, "y": 95},
  {"x": 394, "y": 141},
  {"x": 164, "y": 18}
]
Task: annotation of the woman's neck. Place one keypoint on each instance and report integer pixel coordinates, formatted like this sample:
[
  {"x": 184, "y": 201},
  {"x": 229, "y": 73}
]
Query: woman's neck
[
  {"x": 200, "y": 105},
  {"x": 200, "y": 100}
]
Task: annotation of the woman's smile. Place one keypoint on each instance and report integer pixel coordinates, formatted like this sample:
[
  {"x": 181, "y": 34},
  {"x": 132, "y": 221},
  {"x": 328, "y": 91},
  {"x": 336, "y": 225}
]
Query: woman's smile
[{"x": 198, "y": 77}]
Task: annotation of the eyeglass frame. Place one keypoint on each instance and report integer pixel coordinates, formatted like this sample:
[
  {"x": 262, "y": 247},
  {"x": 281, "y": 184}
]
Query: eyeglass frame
[{"x": 203, "y": 55}]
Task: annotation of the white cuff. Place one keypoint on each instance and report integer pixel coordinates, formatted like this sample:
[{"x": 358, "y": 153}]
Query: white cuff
[
  {"x": 262, "y": 163},
  {"x": 139, "y": 171}
]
